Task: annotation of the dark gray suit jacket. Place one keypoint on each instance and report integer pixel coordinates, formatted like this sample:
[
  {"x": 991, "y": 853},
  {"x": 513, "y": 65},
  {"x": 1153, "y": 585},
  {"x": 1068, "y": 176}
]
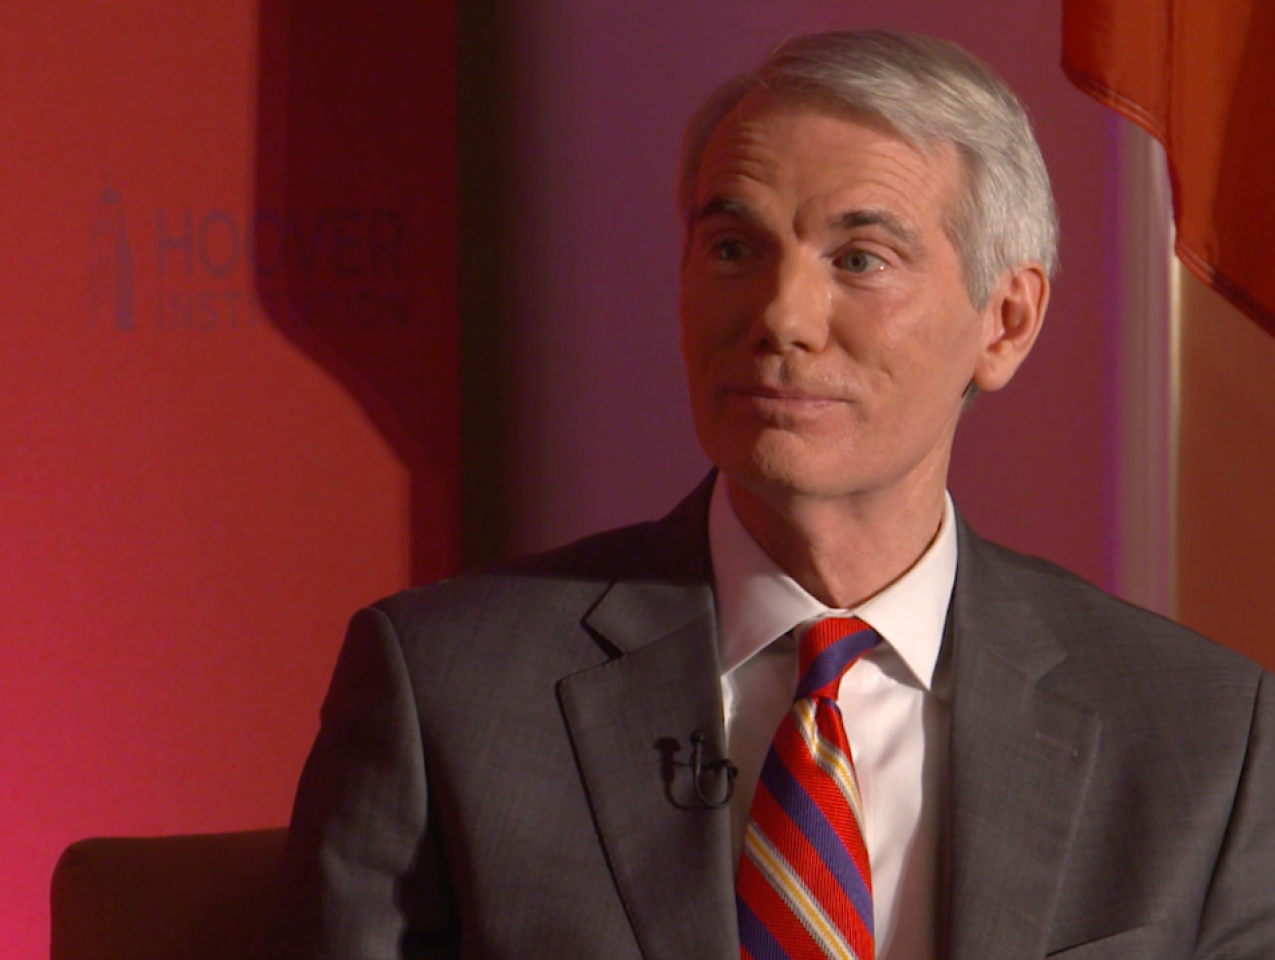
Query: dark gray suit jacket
[{"x": 501, "y": 771}]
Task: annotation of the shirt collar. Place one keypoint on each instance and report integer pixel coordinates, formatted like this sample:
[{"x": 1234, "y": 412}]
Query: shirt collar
[{"x": 757, "y": 602}]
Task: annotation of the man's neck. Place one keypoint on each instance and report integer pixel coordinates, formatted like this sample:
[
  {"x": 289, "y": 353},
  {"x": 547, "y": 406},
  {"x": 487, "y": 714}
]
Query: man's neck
[{"x": 842, "y": 551}]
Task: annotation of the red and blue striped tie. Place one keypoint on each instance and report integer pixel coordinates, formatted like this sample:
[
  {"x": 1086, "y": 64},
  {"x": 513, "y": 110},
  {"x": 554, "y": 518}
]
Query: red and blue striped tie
[{"x": 804, "y": 890}]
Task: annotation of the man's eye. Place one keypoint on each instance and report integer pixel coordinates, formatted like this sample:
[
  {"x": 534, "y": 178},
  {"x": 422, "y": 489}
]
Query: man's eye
[
  {"x": 730, "y": 250},
  {"x": 860, "y": 261}
]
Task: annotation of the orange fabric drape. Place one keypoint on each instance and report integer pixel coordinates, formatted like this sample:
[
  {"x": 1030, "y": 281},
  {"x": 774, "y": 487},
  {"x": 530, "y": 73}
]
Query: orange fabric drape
[{"x": 1199, "y": 75}]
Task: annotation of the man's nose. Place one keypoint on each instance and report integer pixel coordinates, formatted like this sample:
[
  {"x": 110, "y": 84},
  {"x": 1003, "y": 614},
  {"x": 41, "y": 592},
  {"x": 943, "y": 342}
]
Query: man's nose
[{"x": 797, "y": 311}]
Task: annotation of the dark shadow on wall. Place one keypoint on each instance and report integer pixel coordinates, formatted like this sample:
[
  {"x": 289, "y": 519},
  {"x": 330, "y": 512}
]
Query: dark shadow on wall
[
  {"x": 486, "y": 51},
  {"x": 486, "y": 77},
  {"x": 355, "y": 229}
]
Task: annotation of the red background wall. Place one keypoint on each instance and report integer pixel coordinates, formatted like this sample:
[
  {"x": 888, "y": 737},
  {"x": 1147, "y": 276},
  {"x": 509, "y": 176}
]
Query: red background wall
[
  {"x": 192, "y": 505},
  {"x": 1226, "y": 517}
]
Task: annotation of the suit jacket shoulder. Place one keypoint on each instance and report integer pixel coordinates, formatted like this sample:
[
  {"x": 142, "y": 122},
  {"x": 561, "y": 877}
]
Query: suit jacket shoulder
[
  {"x": 1097, "y": 747},
  {"x": 503, "y": 760}
]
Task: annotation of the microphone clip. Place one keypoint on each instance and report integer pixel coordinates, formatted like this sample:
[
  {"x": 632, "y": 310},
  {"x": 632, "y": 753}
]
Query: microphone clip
[{"x": 698, "y": 767}]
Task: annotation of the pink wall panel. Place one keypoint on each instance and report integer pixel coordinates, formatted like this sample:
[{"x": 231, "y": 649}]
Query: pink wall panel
[
  {"x": 600, "y": 92},
  {"x": 192, "y": 507}
]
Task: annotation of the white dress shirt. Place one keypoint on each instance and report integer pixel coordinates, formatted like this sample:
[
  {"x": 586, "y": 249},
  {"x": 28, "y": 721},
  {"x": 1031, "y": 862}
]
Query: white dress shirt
[{"x": 895, "y": 701}]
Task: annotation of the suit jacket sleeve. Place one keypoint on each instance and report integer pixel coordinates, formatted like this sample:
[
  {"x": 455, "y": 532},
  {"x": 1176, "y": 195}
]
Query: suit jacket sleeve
[
  {"x": 364, "y": 875},
  {"x": 1238, "y": 921}
]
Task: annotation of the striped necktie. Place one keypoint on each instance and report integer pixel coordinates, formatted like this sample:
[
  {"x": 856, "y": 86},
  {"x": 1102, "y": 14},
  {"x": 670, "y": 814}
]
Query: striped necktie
[{"x": 804, "y": 890}]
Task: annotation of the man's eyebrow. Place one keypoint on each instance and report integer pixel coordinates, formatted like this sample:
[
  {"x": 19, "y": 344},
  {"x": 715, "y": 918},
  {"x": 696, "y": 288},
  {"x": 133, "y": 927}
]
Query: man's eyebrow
[
  {"x": 726, "y": 206},
  {"x": 874, "y": 217},
  {"x": 723, "y": 205}
]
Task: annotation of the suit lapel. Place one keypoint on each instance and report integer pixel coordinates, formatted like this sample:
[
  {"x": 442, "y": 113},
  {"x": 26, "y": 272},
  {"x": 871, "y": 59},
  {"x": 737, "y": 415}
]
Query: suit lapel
[
  {"x": 630, "y": 722},
  {"x": 1021, "y": 755},
  {"x": 1020, "y": 764}
]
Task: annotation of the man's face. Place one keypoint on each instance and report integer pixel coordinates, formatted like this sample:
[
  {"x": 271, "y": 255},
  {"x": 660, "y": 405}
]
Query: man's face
[{"x": 827, "y": 334}]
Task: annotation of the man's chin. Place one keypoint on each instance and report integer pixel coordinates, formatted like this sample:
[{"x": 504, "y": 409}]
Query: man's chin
[{"x": 780, "y": 479}]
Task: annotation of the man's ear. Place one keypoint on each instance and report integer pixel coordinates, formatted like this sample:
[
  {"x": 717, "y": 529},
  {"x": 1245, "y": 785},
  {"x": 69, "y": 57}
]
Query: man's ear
[{"x": 1011, "y": 323}]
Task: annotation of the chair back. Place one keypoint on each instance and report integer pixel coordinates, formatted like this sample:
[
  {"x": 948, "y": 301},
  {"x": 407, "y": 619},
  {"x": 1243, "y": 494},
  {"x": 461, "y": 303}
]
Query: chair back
[{"x": 192, "y": 897}]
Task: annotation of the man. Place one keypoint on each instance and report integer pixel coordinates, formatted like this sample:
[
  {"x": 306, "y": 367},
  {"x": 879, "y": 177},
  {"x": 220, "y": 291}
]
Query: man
[{"x": 530, "y": 761}]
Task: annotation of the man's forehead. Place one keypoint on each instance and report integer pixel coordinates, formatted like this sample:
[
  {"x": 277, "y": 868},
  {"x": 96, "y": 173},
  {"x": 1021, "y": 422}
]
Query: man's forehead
[
  {"x": 761, "y": 103},
  {"x": 838, "y": 149}
]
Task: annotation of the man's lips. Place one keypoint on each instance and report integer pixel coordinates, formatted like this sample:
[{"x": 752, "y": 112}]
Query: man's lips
[
  {"x": 781, "y": 404},
  {"x": 793, "y": 395}
]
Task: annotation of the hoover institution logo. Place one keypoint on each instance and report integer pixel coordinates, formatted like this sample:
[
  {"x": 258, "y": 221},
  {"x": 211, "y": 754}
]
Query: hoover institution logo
[
  {"x": 187, "y": 269},
  {"x": 111, "y": 264}
]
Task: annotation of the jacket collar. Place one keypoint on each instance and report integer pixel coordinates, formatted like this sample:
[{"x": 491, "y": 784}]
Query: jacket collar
[
  {"x": 1021, "y": 752},
  {"x": 1021, "y": 758},
  {"x": 630, "y": 722}
]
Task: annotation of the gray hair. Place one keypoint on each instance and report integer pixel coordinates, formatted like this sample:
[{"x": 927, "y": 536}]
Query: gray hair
[{"x": 930, "y": 93}]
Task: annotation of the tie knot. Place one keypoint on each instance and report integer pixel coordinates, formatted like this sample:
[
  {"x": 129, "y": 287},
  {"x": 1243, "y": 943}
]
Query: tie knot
[{"x": 828, "y": 648}]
